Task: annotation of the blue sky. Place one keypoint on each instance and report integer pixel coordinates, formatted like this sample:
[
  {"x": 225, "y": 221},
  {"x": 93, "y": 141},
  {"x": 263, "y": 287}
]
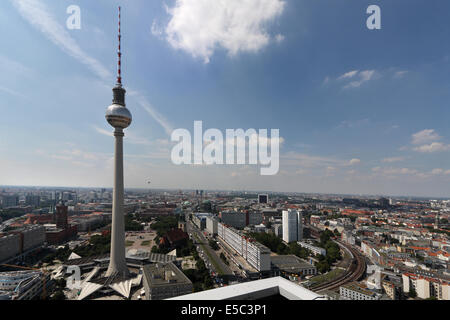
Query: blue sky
[{"x": 359, "y": 111}]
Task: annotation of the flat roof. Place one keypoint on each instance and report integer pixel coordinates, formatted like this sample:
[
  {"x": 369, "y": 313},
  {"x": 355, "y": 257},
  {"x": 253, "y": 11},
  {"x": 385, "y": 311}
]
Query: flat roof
[
  {"x": 357, "y": 288},
  {"x": 290, "y": 263},
  {"x": 155, "y": 275},
  {"x": 151, "y": 256},
  {"x": 255, "y": 290}
]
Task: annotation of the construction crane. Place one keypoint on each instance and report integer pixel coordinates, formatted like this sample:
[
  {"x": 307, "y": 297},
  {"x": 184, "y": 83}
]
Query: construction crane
[{"x": 44, "y": 281}]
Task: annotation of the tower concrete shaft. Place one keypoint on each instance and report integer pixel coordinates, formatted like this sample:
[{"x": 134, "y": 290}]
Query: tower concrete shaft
[{"x": 117, "y": 263}]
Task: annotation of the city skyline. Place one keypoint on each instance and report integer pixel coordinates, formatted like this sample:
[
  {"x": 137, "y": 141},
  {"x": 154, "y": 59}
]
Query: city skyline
[{"x": 359, "y": 111}]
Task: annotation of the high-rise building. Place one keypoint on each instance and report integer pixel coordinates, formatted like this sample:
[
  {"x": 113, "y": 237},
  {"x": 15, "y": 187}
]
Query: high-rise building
[
  {"x": 241, "y": 220},
  {"x": 32, "y": 200},
  {"x": 436, "y": 221},
  {"x": 384, "y": 203},
  {"x": 10, "y": 201},
  {"x": 263, "y": 198},
  {"x": 61, "y": 219},
  {"x": 119, "y": 117},
  {"x": 292, "y": 226}
]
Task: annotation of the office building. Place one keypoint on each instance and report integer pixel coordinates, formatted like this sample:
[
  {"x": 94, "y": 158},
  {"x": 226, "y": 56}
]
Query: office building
[
  {"x": 271, "y": 288},
  {"x": 199, "y": 220},
  {"x": 33, "y": 200},
  {"x": 292, "y": 267},
  {"x": 211, "y": 225},
  {"x": 263, "y": 198},
  {"x": 32, "y": 237},
  {"x": 313, "y": 249},
  {"x": 22, "y": 285},
  {"x": 165, "y": 280},
  {"x": 257, "y": 255},
  {"x": 10, "y": 246},
  {"x": 353, "y": 291},
  {"x": 9, "y": 201},
  {"x": 61, "y": 217},
  {"x": 240, "y": 220},
  {"x": 292, "y": 226}
]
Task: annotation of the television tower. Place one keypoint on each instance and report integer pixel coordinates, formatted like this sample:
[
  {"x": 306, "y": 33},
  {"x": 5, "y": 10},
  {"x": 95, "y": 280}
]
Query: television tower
[{"x": 119, "y": 117}]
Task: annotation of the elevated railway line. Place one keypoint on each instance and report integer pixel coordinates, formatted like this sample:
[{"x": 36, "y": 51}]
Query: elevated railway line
[{"x": 354, "y": 272}]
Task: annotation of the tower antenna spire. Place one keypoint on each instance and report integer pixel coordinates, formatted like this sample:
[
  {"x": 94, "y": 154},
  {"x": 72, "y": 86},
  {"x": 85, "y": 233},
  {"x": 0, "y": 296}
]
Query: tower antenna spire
[{"x": 119, "y": 54}]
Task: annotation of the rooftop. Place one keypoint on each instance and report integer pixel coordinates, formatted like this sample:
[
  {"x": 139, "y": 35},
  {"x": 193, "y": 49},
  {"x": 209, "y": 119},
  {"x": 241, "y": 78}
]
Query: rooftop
[
  {"x": 256, "y": 290},
  {"x": 357, "y": 288},
  {"x": 163, "y": 274},
  {"x": 290, "y": 263}
]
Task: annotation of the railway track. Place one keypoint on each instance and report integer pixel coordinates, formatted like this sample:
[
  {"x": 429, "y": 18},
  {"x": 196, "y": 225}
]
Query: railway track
[{"x": 354, "y": 272}]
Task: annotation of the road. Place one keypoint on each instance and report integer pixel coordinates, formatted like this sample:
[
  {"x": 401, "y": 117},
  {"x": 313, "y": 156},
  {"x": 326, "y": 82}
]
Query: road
[{"x": 211, "y": 254}]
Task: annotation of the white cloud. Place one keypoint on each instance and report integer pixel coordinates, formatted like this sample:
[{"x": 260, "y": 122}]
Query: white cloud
[
  {"x": 9, "y": 66},
  {"x": 425, "y": 136},
  {"x": 348, "y": 75},
  {"x": 393, "y": 159},
  {"x": 433, "y": 147},
  {"x": 354, "y": 162},
  {"x": 395, "y": 171},
  {"x": 199, "y": 27},
  {"x": 437, "y": 171},
  {"x": 157, "y": 30},
  {"x": 279, "y": 38},
  {"x": 310, "y": 161},
  {"x": 400, "y": 74},
  {"x": 134, "y": 138},
  {"x": 12, "y": 92},
  {"x": 37, "y": 14},
  {"x": 364, "y": 76},
  {"x": 354, "y": 123},
  {"x": 168, "y": 128},
  {"x": 103, "y": 131}
]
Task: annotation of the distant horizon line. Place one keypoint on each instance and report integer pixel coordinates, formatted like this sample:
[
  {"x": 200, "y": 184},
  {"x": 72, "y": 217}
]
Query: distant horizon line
[{"x": 234, "y": 190}]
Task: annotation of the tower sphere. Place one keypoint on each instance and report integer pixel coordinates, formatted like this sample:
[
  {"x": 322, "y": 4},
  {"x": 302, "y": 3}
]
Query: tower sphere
[{"x": 118, "y": 116}]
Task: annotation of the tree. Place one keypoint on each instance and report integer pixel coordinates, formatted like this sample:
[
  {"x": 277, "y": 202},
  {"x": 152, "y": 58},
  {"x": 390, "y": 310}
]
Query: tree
[
  {"x": 207, "y": 282},
  {"x": 58, "y": 295},
  {"x": 131, "y": 224},
  {"x": 213, "y": 245},
  {"x": 323, "y": 266},
  {"x": 412, "y": 292},
  {"x": 198, "y": 287},
  {"x": 155, "y": 249},
  {"x": 200, "y": 265},
  {"x": 393, "y": 240}
]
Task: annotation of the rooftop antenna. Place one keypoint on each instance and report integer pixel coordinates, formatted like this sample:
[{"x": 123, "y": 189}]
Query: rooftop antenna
[{"x": 119, "y": 54}]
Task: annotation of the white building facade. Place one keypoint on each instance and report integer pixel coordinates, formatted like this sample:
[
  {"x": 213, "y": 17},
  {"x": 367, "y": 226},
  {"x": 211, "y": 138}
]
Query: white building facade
[
  {"x": 292, "y": 226},
  {"x": 257, "y": 255}
]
